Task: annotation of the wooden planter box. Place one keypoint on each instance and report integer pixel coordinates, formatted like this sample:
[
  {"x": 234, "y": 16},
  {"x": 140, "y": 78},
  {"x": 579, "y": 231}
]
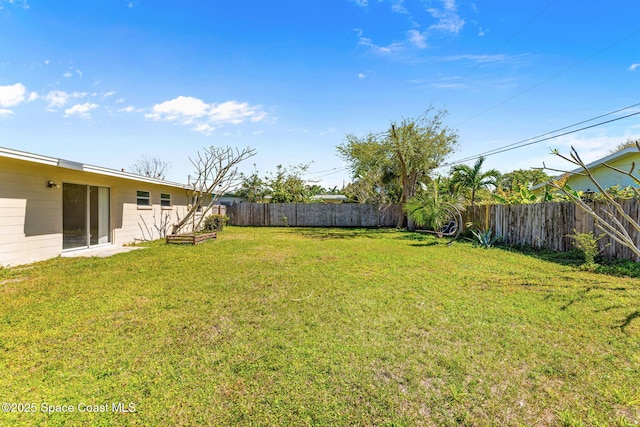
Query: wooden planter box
[{"x": 190, "y": 239}]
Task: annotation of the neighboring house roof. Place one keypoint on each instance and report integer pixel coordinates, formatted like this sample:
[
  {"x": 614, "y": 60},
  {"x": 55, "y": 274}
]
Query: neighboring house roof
[
  {"x": 62, "y": 163},
  {"x": 616, "y": 157},
  {"x": 330, "y": 198}
]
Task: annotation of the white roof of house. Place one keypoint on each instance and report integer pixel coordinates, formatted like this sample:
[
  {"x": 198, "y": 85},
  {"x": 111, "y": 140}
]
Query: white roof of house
[
  {"x": 607, "y": 159},
  {"x": 62, "y": 163},
  {"x": 330, "y": 197}
]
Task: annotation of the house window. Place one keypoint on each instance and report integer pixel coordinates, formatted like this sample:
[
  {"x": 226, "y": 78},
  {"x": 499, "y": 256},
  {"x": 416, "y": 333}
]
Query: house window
[
  {"x": 143, "y": 198},
  {"x": 165, "y": 200}
]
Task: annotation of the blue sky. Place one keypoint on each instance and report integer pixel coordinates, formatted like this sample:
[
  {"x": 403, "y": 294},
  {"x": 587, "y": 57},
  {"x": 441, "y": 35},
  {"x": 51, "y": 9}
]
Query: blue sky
[{"x": 106, "y": 82}]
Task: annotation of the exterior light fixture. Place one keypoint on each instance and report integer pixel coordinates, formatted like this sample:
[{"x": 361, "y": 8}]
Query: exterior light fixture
[
  {"x": 587, "y": 196},
  {"x": 52, "y": 184}
]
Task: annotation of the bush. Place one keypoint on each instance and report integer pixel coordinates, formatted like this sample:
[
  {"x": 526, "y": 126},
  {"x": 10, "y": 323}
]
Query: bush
[
  {"x": 215, "y": 223},
  {"x": 588, "y": 244}
]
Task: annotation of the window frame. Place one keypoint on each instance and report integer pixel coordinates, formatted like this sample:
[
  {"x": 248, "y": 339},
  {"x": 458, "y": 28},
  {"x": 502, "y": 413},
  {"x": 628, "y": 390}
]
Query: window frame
[
  {"x": 165, "y": 202},
  {"x": 141, "y": 197}
]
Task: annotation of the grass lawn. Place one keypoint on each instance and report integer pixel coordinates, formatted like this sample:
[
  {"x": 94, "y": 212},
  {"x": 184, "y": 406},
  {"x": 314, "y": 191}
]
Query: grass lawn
[{"x": 285, "y": 326}]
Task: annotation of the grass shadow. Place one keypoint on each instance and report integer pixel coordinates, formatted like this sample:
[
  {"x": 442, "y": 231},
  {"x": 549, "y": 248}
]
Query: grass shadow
[
  {"x": 575, "y": 258},
  {"x": 629, "y": 319},
  {"x": 338, "y": 233},
  {"x": 572, "y": 258},
  {"x": 419, "y": 245}
]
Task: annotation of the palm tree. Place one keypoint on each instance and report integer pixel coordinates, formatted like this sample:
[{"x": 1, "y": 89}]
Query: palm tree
[{"x": 473, "y": 179}]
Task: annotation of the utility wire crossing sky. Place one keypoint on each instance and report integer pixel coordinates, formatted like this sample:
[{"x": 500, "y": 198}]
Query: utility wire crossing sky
[{"x": 106, "y": 83}]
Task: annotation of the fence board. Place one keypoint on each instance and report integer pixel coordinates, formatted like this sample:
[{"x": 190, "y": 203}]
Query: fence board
[
  {"x": 550, "y": 225},
  {"x": 314, "y": 215}
]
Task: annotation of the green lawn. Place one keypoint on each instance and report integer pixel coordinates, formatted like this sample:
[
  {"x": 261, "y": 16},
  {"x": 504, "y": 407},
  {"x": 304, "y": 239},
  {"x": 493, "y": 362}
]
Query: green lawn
[{"x": 319, "y": 327}]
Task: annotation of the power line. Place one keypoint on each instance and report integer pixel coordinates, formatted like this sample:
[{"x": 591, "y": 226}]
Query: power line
[
  {"x": 544, "y": 134},
  {"x": 336, "y": 169},
  {"x": 331, "y": 173},
  {"x": 553, "y": 76},
  {"x": 504, "y": 43},
  {"x": 527, "y": 142}
]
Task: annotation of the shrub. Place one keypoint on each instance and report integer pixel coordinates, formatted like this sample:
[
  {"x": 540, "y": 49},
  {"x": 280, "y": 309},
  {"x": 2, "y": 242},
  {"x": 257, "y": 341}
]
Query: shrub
[
  {"x": 215, "y": 223},
  {"x": 588, "y": 244}
]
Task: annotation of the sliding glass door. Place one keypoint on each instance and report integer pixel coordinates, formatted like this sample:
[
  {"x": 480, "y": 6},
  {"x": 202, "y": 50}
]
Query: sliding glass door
[{"x": 85, "y": 216}]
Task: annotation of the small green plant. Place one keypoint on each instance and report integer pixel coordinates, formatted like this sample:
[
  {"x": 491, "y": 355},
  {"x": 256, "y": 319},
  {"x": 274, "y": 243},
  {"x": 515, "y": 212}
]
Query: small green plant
[
  {"x": 483, "y": 237},
  {"x": 285, "y": 221},
  {"x": 588, "y": 244},
  {"x": 215, "y": 222}
]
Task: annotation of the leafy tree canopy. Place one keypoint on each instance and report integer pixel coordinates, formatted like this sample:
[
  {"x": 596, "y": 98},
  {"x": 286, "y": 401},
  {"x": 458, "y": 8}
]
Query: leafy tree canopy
[
  {"x": 285, "y": 185},
  {"x": 389, "y": 166},
  {"x": 522, "y": 178}
]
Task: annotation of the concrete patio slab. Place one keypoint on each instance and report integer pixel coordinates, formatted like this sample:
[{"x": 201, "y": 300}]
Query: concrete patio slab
[{"x": 101, "y": 252}]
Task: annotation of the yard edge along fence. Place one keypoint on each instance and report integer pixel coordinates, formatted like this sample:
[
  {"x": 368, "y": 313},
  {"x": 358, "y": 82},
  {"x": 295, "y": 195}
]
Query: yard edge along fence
[
  {"x": 314, "y": 215},
  {"x": 549, "y": 225}
]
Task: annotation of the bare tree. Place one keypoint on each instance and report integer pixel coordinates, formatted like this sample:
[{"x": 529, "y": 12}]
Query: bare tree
[
  {"x": 606, "y": 218},
  {"x": 152, "y": 167},
  {"x": 216, "y": 173}
]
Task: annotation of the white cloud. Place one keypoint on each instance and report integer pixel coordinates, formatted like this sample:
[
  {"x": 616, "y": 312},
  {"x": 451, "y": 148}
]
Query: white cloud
[
  {"x": 129, "y": 109},
  {"x": 397, "y": 6},
  {"x": 633, "y": 67},
  {"x": 5, "y": 112},
  {"x": 81, "y": 110},
  {"x": 417, "y": 38},
  {"x": 21, "y": 3},
  {"x": 448, "y": 18},
  {"x": 70, "y": 71},
  {"x": 380, "y": 50},
  {"x": 361, "y": 3},
  {"x": 205, "y": 117},
  {"x": 12, "y": 95},
  {"x": 56, "y": 98},
  {"x": 204, "y": 128},
  {"x": 362, "y": 76},
  {"x": 482, "y": 59},
  {"x": 185, "y": 108},
  {"x": 59, "y": 98},
  {"x": 234, "y": 112}
]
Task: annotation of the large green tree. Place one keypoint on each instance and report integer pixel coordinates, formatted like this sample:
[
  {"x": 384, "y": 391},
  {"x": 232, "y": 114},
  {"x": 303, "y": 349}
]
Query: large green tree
[
  {"x": 288, "y": 186},
  {"x": 253, "y": 188},
  {"x": 285, "y": 185},
  {"x": 472, "y": 178},
  {"x": 520, "y": 178},
  {"x": 403, "y": 156}
]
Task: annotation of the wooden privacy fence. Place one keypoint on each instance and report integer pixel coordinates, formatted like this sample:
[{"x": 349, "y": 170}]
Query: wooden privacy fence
[
  {"x": 549, "y": 225},
  {"x": 314, "y": 215}
]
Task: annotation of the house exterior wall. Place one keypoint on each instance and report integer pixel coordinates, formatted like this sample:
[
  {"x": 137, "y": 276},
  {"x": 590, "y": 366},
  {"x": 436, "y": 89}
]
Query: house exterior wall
[
  {"x": 607, "y": 177},
  {"x": 31, "y": 212}
]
